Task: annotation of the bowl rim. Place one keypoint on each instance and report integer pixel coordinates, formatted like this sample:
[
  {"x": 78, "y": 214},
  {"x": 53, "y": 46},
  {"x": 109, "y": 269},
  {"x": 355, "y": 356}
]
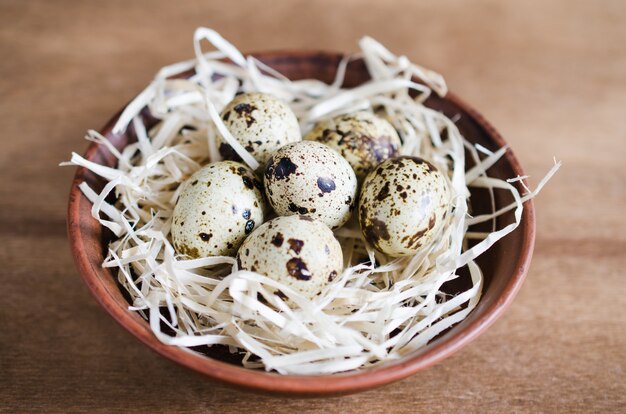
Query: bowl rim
[{"x": 314, "y": 385}]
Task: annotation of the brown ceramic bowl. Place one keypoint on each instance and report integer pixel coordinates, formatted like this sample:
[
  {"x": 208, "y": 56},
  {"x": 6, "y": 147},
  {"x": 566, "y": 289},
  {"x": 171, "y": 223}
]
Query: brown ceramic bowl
[{"x": 504, "y": 265}]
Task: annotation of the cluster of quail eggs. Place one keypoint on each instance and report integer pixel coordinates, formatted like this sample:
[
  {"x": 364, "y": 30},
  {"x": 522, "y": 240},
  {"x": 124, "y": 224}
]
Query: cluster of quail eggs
[{"x": 279, "y": 221}]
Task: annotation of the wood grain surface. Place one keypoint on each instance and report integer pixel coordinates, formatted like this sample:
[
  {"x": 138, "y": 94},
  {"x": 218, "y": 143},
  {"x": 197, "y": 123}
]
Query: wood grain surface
[{"x": 550, "y": 75}]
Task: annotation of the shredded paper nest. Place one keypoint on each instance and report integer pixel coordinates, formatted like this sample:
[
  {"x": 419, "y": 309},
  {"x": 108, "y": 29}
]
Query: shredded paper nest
[{"x": 379, "y": 309}]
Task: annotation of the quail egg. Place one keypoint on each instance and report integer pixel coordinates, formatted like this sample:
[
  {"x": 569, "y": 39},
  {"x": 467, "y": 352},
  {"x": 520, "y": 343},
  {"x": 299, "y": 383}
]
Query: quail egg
[
  {"x": 220, "y": 204},
  {"x": 362, "y": 138},
  {"x": 297, "y": 251},
  {"x": 401, "y": 124},
  {"x": 261, "y": 123},
  {"x": 402, "y": 206},
  {"x": 311, "y": 178}
]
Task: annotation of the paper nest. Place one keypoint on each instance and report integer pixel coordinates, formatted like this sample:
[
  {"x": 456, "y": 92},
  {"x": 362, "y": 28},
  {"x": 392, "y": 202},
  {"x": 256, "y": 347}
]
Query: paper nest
[{"x": 371, "y": 313}]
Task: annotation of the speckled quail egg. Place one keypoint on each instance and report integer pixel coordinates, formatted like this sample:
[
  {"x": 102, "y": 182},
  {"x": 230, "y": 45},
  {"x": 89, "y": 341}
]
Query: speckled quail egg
[
  {"x": 261, "y": 123},
  {"x": 399, "y": 123},
  {"x": 297, "y": 251},
  {"x": 362, "y": 138},
  {"x": 219, "y": 205},
  {"x": 311, "y": 178},
  {"x": 403, "y": 204}
]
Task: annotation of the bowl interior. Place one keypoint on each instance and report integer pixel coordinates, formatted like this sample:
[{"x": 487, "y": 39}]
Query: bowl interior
[{"x": 504, "y": 265}]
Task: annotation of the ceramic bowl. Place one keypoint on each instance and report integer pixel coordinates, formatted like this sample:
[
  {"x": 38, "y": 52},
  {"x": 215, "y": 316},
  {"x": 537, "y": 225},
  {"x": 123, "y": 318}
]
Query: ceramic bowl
[{"x": 504, "y": 265}]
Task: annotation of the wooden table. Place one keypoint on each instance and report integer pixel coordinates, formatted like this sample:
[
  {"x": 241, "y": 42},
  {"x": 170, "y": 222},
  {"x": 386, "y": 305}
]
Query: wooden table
[{"x": 550, "y": 75}]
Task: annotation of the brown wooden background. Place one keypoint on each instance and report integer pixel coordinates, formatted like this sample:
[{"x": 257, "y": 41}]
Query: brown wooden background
[{"x": 550, "y": 75}]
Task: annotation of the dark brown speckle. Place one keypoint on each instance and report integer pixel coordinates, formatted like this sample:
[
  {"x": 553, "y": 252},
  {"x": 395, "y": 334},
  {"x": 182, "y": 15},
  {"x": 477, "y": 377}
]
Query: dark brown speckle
[
  {"x": 245, "y": 110},
  {"x": 383, "y": 193},
  {"x": 297, "y": 209},
  {"x": 332, "y": 275},
  {"x": 247, "y": 181},
  {"x": 297, "y": 268},
  {"x": 186, "y": 250},
  {"x": 278, "y": 239},
  {"x": 246, "y": 213},
  {"x": 282, "y": 170},
  {"x": 326, "y": 185},
  {"x": 295, "y": 245},
  {"x": 249, "y": 226},
  {"x": 375, "y": 230},
  {"x": 228, "y": 153}
]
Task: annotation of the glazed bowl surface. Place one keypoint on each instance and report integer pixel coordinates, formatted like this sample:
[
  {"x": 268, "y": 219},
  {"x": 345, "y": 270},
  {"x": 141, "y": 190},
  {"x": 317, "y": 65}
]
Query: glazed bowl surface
[{"x": 504, "y": 265}]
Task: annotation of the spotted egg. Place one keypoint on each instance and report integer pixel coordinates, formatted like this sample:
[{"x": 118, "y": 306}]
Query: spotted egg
[
  {"x": 311, "y": 178},
  {"x": 297, "y": 251},
  {"x": 261, "y": 123},
  {"x": 362, "y": 138},
  {"x": 403, "y": 204},
  {"x": 219, "y": 205}
]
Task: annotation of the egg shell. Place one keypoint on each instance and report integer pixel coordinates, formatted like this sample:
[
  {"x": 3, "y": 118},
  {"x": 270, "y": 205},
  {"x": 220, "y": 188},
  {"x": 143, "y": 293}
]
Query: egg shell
[
  {"x": 400, "y": 124},
  {"x": 362, "y": 138},
  {"x": 261, "y": 123},
  {"x": 297, "y": 251},
  {"x": 311, "y": 178},
  {"x": 402, "y": 206},
  {"x": 219, "y": 205}
]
